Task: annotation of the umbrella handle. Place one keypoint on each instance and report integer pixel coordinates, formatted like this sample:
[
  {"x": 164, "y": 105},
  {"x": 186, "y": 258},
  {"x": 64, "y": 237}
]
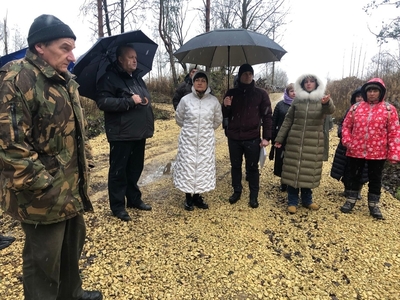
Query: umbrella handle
[{"x": 145, "y": 101}]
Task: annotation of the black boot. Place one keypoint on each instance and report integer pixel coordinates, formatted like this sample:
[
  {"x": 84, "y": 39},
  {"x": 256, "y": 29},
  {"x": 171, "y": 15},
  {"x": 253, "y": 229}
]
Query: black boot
[
  {"x": 189, "y": 202},
  {"x": 235, "y": 197},
  {"x": 344, "y": 193},
  {"x": 199, "y": 202},
  {"x": 6, "y": 241},
  {"x": 373, "y": 205},
  {"x": 350, "y": 202},
  {"x": 253, "y": 203}
]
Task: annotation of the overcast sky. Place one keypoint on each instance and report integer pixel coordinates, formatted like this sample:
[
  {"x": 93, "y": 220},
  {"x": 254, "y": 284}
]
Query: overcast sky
[{"x": 319, "y": 38}]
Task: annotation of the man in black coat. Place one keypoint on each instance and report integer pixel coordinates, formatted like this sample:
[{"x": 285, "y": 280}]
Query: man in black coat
[
  {"x": 246, "y": 108},
  {"x": 129, "y": 121},
  {"x": 184, "y": 88}
]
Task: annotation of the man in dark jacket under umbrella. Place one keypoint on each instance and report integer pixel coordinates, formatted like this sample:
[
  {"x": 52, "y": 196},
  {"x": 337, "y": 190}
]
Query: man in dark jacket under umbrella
[
  {"x": 184, "y": 88},
  {"x": 247, "y": 108},
  {"x": 129, "y": 121}
]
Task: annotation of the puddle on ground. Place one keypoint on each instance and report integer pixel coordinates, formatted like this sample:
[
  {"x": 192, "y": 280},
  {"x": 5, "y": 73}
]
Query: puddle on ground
[{"x": 153, "y": 172}]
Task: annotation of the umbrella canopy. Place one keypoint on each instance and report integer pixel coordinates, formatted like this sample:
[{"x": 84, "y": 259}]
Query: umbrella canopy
[
  {"x": 93, "y": 64},
  {"x": 229, "y": 47},
  {"x": 12, "y": 56}
]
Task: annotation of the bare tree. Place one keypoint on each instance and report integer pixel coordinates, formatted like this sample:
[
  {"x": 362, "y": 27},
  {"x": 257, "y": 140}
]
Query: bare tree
[
  {"x": 19, "y": 41},
  {"x": 262, "y": 16},
  {"x": 5, "y": 35},
  {"x": 383, "y": 64},
  {"x": 391, "y": 28},
  {"x": 117, "y": 15},
  {"x": 171, "y": 20}
]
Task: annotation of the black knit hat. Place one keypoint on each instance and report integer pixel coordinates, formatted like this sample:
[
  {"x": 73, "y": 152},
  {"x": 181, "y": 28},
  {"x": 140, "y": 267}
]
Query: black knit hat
[
  {"x": 46, "y": 28},
  {"x": 245, "y": 68},
  {"x": 199, "y": 74}
]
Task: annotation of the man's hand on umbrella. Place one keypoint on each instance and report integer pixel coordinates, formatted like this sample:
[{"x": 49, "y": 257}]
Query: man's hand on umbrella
[
  {"x": 228, "y": 101},
  {"x": 136, "y": 98}
]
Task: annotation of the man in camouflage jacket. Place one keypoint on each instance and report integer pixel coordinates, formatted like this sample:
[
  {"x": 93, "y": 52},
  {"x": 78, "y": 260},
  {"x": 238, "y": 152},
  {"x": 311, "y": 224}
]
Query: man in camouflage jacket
[{"x": 43, "y": 165}]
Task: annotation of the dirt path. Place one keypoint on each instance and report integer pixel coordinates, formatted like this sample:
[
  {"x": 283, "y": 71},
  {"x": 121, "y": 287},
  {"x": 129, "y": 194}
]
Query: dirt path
[{"x": 229, "y": 252}]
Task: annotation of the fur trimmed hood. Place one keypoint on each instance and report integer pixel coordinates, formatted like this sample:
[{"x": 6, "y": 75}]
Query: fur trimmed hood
[{"x": 315, "y": 95}]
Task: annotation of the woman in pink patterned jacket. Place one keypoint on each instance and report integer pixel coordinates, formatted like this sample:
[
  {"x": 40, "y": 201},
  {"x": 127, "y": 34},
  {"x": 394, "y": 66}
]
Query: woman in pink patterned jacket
[{"x": 371, "y": 133}]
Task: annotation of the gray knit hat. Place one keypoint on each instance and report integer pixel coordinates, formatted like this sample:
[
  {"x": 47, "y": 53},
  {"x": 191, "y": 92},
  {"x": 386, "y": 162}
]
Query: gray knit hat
[{"x": 46, "y": 28}]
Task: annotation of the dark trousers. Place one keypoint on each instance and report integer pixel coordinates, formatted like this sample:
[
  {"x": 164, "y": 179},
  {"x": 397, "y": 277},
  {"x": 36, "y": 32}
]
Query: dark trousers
[
  {"x": 51, "y": 260},
  {"x": 251, "y": 151},
  {"x": 126, "y": 166},
  {"x": 355, "y": 172}
]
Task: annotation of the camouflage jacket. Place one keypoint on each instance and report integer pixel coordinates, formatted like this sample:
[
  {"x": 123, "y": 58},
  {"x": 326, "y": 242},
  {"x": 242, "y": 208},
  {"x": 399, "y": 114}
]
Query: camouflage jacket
[{"x": 43, "y": 166}]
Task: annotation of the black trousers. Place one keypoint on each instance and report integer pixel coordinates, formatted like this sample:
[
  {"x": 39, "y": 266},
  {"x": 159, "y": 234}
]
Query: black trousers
[
  {"x": 126, "y": 166},
  {"x": 251, "y": 151},
  {"x": 355, "y": 173},
  {"x": 51, "y": 260}
]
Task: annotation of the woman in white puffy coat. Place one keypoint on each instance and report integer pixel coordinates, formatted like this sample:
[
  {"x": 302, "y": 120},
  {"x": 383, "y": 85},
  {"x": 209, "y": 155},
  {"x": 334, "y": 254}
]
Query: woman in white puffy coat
[{"x": 199, "y": 114}]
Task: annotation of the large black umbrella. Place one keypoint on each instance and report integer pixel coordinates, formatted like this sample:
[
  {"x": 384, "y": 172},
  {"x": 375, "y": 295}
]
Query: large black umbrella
[
  {"x": 93, "y": 64},
  {"x": 229, "y": 47}
]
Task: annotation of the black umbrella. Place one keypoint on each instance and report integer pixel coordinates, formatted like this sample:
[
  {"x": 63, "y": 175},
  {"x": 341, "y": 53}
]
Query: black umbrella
[
  {"x": 229, "y": 47},
  {"x": 93, "y": 64}
]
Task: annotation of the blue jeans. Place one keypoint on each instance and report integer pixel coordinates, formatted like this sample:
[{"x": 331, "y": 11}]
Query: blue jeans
[{"x": 293, "y": 196}]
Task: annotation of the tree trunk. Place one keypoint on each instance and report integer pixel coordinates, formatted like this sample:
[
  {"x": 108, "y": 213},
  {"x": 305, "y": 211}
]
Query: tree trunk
[
  {"x": 100, "y": 19},
  {"x": 167, "y": 41},
  {"x": 105, "y": 7}
]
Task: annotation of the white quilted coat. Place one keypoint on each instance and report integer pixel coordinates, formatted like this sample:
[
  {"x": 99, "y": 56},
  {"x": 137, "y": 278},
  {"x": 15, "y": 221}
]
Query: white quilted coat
[{"x": 194, "y": 169}]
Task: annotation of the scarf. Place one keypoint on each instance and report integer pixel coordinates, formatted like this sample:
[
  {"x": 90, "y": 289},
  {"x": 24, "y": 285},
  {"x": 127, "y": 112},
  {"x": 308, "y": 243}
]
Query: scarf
[{"x": 287, "y": 99}]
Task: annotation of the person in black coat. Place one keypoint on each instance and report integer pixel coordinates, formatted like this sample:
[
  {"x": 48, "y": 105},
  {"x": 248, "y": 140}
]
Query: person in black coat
[
  {"x": 339, "y": 168},
  {"x": 129, "y": 121},
  {"x": 278, "y": 116},
  {"x": 247, "y": 109},
  {"x": 184, "y": 88}
]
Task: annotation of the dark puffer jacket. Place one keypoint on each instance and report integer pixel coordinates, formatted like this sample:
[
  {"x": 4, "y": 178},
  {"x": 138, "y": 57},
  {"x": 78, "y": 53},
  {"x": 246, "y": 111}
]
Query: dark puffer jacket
[
  {"x": 182, "y": 90},
  {"x": 340, "y": 159},
  {"x": 251, "y": 109},
  {"x": 277, "y": 119},
  {"x": 124, "y": 120}
]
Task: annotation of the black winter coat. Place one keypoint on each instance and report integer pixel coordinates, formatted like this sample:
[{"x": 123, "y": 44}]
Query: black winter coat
[
  {"x": 182, "y": 90},
  {"x": 124, "y": 120},
  {"x": 339, "y": 165},
  {"x": 278, "y": 116},
  {"x": 251, "y": 109}
]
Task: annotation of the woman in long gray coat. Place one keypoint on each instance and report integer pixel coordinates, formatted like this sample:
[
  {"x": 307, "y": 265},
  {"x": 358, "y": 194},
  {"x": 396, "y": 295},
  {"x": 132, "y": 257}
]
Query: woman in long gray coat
[
  {"x": 302, "y": 130},
  {"x": 199, "y": 114}
]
